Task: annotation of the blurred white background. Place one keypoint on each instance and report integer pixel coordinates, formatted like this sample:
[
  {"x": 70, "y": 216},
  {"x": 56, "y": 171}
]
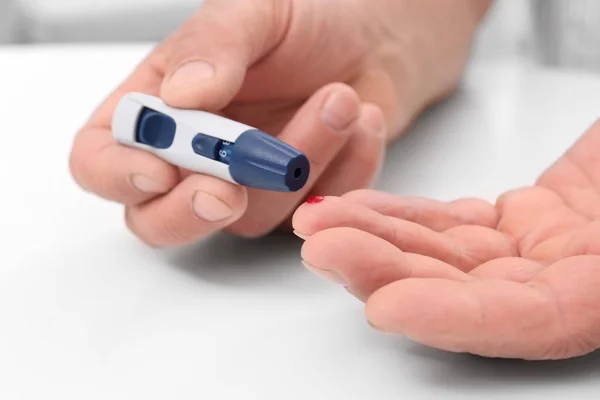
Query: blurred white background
[
  {"x": 566, "y": 31},
  {"x": 51, "y": 21}
]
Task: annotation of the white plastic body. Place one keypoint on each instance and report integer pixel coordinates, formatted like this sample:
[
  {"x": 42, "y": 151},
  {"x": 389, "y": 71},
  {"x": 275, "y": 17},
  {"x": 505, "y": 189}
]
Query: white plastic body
[{"x": 189, "y": 124}]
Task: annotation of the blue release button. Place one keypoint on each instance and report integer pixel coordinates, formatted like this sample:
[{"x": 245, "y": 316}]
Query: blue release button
[
  {"x": 206, "y": 146},
  {"x": 155, "y": 129}
]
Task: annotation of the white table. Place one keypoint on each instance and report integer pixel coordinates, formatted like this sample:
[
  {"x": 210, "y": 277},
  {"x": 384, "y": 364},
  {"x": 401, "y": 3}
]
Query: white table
[{"x": 87, "y": 312}]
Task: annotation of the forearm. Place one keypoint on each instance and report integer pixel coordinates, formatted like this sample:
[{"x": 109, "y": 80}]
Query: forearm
[
  {"x": 445, "y": 44},
  {"x": 427, "y": 46}
]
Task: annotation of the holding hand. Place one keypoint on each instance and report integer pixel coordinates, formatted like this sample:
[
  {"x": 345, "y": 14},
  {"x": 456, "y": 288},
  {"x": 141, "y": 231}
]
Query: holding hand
[
  {"x": 519, "y": 279},
  {"x": 331, "y": 78}
]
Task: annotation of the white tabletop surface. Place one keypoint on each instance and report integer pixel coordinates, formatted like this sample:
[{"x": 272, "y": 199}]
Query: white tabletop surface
[{"x": 87, "y": 312}]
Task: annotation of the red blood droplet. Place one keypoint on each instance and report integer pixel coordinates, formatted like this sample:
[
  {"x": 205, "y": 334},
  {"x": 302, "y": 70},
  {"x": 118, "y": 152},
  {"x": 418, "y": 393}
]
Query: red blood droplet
[{"x": 315, "y": 199}]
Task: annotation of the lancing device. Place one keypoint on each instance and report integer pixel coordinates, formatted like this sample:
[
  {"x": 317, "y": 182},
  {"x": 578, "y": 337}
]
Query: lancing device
[{"x": 209, "y": 144}]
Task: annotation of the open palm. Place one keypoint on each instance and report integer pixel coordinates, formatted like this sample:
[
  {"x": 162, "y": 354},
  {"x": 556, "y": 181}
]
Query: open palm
[{"x": 520, "y": 279}]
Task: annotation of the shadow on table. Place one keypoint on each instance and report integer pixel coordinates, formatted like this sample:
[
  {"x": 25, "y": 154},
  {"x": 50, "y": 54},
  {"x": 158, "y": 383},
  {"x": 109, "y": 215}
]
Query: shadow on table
[
  {"x": 461, "y": 371},
  {"x": 232, "y": 261}
]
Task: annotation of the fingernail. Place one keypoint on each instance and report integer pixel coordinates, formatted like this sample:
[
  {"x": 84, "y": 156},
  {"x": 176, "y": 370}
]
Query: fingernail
[
  {"x": 328, "y": 275},
  {"x": 192, "y": 72},
  {"x": 209, "y": 208},
  {"x": 300, "y": 235},
  {"x": 339, "y": 111},
  {"x": 315, "y": 200},
  {"x": 147, "y": 185}
]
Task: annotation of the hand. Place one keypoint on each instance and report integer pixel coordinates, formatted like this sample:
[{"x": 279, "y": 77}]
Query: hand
[
  {"x": 518, "y": 280},
  {"x": 332, "y": 78}
]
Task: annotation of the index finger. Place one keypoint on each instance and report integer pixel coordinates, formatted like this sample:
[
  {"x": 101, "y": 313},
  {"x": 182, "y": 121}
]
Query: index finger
[
  {"x": 492, "y": 318},
  {"x": 553, "y": 316}
]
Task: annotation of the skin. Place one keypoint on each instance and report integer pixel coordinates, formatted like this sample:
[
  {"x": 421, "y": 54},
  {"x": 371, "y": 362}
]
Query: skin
[
  {"x": 515, "y": 279},
  {"x": 337, "y": 79}
]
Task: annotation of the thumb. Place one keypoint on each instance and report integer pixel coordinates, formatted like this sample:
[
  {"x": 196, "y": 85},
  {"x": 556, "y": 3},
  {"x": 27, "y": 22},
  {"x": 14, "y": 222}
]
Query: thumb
[{"x": 208, "y": 57}]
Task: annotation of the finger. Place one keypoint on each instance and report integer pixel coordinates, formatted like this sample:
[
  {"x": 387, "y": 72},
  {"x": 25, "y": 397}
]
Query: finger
[
  {"x": 320, "y": 129},
  {"x": 525, "y": 210},
  {"x": 568, "y": 179},
  {"x": 477, "y": 244},
  {"x": 555, "y": 316},
  {"x": 576, "y": 175},
  {"x": 436, "y": 215},
  {"x": 489, "y": 318},
  {"x": 197, "y": 207},
  {"x": 583, "y": 241},
  {"x": 360, "y": 161},
  {"x": 510, "y": 269},
  {"x": 118, "y": 173},
  {"x": 539, "y": 221},
  {"x": 217, "y": 33},
  {"x": 364, "y": 263},
  {"x": 114, "y": 172},
  {"x": 462, "y": 247},
  {"x": 212, "y": 51}
]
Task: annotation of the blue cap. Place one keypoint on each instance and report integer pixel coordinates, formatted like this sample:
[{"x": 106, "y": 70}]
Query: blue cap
[{"x": 260, "y": 161}]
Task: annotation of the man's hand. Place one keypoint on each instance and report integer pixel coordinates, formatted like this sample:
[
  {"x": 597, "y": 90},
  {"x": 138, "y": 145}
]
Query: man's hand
[
  {"x": 332, "y": 78},
  {"x": 518, "y": 280}
]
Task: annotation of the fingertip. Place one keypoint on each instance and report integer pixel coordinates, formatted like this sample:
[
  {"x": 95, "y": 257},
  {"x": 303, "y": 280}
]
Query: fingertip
[
  {"x": 297, "y": 222},
  {"x": 300, "y": 221},
  {"x": 372, "y": 121},
  {"x": 319, "y": 245},
  {"x": 200, "y": 84},
  {"x": 181, "y": 86},
  {"x": 199, "y": 206},
  {"x": 232, "y": 196},
  {"x": 341, "y": 107},
  {"x": 317, "y": 213}
]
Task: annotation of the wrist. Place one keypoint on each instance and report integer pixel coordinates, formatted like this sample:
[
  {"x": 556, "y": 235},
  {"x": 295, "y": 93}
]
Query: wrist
[{"x": 424, "y": 46}]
